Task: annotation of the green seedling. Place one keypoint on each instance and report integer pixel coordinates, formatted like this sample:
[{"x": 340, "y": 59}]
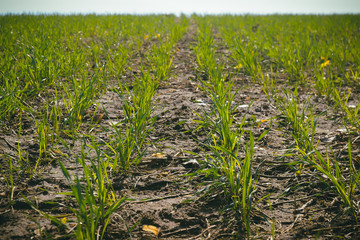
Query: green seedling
[
  {"x": 80, "y": 98},
  {"x": 323, "y": 85},
  {"x": 225, "y": 140},
  {"x": 350, "y": 113},
  {"x": 332, "y": 173},
  {"x": 94, "y": 196},
  {"x": 300, "y": 120}
]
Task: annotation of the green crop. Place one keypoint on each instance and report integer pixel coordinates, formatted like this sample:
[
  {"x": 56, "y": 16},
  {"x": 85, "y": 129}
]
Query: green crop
[
  {"x": 225, "y": 163},
  {"x": 96, "y": 201},
  {"x": 333, "y": 173},
  {"x": 59, "y": 74}
]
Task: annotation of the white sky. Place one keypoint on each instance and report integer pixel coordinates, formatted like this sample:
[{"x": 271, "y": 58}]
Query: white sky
[{"x": 180, "y": 6}]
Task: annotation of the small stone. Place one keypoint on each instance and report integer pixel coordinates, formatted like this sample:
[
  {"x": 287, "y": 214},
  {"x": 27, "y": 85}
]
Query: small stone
[{"x": 192, "y": 163}]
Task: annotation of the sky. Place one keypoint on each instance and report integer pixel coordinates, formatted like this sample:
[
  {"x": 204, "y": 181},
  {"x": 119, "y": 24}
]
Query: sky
[{"x": 180, "y": 6}]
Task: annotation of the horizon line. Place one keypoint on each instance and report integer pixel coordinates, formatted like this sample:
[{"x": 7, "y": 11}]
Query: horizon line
[{"x": 177, "y": 13}]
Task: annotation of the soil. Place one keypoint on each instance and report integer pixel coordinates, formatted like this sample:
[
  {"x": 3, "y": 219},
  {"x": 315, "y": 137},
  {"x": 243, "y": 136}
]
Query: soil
[{"x": 163, "y": 188}]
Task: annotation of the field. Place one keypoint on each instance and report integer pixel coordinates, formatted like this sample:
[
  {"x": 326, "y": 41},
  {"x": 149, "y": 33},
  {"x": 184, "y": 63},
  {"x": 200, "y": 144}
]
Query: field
[{"x": 189, "y": 127}]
